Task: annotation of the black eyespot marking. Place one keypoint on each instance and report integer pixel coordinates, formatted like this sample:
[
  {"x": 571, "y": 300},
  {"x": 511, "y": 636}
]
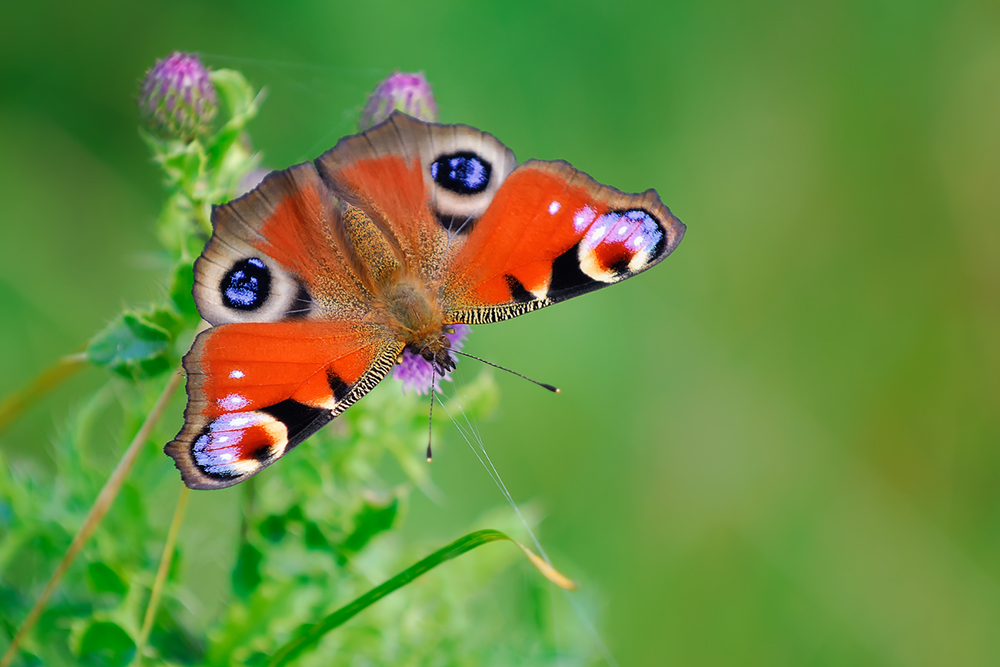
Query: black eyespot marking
[
  {"x": 463, "y": 173},
  {"x": 247, "y": 285},
  {"x": 517, "y": 290},
  {"x": 339, "y": 388}
]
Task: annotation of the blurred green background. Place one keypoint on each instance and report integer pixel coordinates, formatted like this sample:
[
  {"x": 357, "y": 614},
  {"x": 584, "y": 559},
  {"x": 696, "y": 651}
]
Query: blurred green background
[{"x": 782, "y": 446}]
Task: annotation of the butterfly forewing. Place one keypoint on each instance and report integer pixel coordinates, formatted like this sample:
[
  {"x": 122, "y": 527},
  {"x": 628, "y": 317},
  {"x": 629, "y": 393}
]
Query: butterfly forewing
[
  {"x": 428, "y": 184},
  {"x": 552, "y": 233},
  {"x": 277, "y": 253}
]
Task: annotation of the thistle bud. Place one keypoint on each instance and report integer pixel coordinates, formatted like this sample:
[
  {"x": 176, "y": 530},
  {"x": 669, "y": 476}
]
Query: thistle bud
[
  {"x": 177, "y": 99},
  {"x": 409, "y": 93}
]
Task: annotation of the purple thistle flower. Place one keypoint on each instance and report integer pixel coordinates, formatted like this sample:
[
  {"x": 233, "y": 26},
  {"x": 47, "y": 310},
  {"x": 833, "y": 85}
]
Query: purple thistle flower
[
  {"x": 415, "y": 372},
  {"x": 409, "y": 93},
  {"x": 178, "y": 98}
]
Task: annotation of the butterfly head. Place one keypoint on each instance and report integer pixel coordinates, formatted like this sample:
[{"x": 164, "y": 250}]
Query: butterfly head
[
  {"x": 416, "y": 317},
  {"x": 437, "y": 352}
]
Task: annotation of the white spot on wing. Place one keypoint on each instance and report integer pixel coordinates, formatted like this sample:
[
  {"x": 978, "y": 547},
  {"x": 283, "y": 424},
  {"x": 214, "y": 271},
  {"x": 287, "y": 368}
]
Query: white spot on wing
[
  {"x": 595, "y": 235},
  {"x": 233, "y": 402},
  {"x": 237, "y": 374},
  {"x": 583, "y": 217},
  {"x": 554, "y": 207},
  {"x": 646, "y": 235}
]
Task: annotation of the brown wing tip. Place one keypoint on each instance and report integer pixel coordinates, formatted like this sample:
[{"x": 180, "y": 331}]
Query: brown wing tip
[{"x": 674, "y": 228}]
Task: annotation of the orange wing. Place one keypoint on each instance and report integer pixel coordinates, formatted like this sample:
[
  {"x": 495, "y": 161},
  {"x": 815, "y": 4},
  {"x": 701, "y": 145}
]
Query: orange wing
[
  {"x": 291, "y": 350},
  {"x": 257, "y": 390},
  {"x": 279, "y": 252},
  {"x": 397, "y": 172},
  {"x": 296, "y": 272},
  {"x": 495, "y": 239},
  {"x": 552, "y": 233}
]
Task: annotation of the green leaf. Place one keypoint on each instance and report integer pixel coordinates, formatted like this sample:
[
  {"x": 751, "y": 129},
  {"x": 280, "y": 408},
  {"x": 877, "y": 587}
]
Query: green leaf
[
  {"x": 183, "y": 163},
  {"x": 241, "y": 103},
  {"x": 235, "y": 92},
  {"x": 246, "y": 574},
  {"x": 174, "y": 225},
  {"x": 176, "y": 568},
  {"x": 314, "y": 537},
  {"x": 166, "y": 317},
  {"x": 106, "y": 644},
  {"x": 29, "y": 660},
  {"x": 133, "y": 346},
  {"x": 12, "y": 604},
  {"x": 373, "y": 519},
  {"x": 181, "y": 288},
  {"x": 173, "y": 642},
  {"x": 294, "y": 514},
  {"x": 257, "y": 659},
  {"x": 272, "y": 528},
  {"x": 105, "y": 580}
]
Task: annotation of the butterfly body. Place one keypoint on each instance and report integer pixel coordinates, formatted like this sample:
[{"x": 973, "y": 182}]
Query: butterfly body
[
  {"x": 404, "y": 303},
  {"x": 319, "y": 278}
]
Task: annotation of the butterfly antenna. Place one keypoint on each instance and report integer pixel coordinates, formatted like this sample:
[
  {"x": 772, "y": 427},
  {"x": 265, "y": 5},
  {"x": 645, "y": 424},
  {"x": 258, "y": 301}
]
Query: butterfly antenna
[
  {"x": 491, "y": 470},
  {"x": 430, "y": 415},
  {"x": 458, "y": 231},
  {"x": 453, "y": 233},
  {"x": 552, "y": 388}
]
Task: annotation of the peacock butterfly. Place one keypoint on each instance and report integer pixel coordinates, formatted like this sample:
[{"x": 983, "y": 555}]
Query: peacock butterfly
[{"x": 318, "y": 279}]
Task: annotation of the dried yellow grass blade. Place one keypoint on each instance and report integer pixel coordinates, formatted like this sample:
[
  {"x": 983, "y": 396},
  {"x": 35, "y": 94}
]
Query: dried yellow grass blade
[{"x": 549, "y": 572}]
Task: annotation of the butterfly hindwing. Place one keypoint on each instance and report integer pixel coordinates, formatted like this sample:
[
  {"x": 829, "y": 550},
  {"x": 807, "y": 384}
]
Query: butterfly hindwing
[{"x": 256, "y": 390}]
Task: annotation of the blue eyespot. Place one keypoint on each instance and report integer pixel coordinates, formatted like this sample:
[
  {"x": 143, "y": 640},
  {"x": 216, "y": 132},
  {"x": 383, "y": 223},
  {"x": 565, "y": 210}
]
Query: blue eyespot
[
  {"x": 463, "y": 173},
  {"x": 247, "y": 285}
]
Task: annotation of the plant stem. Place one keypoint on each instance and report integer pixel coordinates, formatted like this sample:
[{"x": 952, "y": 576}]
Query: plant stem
[
  {"x": 97, "y": 511},
  {"x": 14, "y": 404},
  {"x": 161, "y": 575}
]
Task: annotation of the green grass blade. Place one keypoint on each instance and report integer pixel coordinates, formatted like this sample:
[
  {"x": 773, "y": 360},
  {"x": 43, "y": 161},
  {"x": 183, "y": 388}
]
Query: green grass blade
[{"x": 294, "y": 648}]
